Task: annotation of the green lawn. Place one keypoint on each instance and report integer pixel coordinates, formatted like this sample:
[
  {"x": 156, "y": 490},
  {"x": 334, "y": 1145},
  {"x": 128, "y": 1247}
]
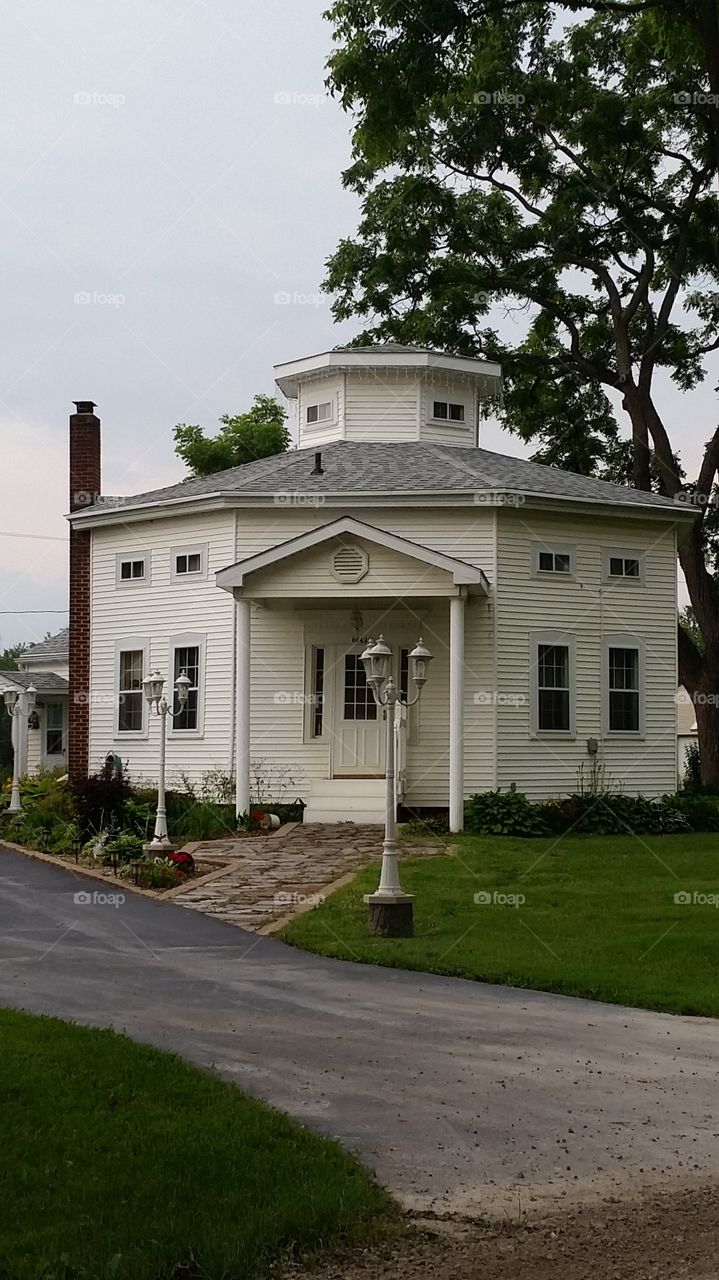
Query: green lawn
[
  {"x": 599, "y": 918},
  {"x": 118, "y": 1161}
]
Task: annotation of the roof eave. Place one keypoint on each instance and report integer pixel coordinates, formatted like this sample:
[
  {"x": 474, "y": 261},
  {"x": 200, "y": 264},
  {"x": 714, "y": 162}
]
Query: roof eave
[
  {"x": 289, "y": 375},
  {"x": 498, "y": 498}
]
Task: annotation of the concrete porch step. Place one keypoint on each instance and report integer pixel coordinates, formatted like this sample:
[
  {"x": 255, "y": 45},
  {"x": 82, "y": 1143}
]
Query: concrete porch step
[{"x": 346, "y": 800}]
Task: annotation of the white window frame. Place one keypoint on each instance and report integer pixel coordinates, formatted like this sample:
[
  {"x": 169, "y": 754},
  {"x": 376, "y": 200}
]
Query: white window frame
[
  {"x": 308, "y": 725},
  {"x": 194, "y": 549},
  {"x": 568, "y": 641},
  {"x": 554, "y": 549},
  {"x": 449, "y": 422},
  {"x": 49, "y": 702},
  {"x": 321, "y": 423},
  {"x": 622, "y": 553},
  {"x": 620, "y": 640},
  {"x": 184, "y": 641},
  {"x": 128, "y": 644},
  {"x": 126, "y": 557}
]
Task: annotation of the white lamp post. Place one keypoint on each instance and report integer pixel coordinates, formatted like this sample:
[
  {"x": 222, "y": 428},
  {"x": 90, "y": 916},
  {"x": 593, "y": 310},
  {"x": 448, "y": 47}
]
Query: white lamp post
[
  {"x": 153, "y": 686},
  {"x": 17, "y": 704},
  {"x": 390, "y": 909}
]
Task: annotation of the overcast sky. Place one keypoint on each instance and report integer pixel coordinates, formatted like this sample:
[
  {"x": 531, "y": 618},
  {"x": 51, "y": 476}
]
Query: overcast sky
[{"x": 167, "y": 169}]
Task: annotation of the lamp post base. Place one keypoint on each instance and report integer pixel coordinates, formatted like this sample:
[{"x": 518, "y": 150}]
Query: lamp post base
[{"x": 391, "y": 916}]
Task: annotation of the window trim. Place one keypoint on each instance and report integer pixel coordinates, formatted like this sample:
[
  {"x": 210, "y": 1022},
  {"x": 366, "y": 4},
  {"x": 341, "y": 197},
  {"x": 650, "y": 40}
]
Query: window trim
[
  {"x": 125, "y": 645},
  {"x": 322, "y": 423},
  {"x": 125, "y": 557},
  {"x": 555, "y": 549},
  {"x": 185, "y": 640},
  {"x": 623, "y": 640},
  {"x": 611, "y": 553},
  {"x": 567, "y": 640},
  {"x": 190, "y": 549}
]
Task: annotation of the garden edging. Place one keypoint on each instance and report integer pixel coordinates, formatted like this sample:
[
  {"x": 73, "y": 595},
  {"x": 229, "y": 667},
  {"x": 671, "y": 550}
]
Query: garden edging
[{"x": 77, "y": 869}]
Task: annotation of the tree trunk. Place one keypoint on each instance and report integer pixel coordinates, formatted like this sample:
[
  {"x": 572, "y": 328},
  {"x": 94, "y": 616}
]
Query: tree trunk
[{"x": 706, "y": 708}]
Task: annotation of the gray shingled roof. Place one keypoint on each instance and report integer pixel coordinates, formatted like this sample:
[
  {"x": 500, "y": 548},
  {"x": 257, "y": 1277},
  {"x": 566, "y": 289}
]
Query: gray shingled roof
[
  {"x": 56, "y": 646},
  {"x": 381, "y": 469},
  {"x": 44, "y": 681}
]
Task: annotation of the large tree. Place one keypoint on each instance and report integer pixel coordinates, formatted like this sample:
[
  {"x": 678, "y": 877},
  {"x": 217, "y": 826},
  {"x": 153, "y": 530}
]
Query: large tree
[
  {"x": 558, "y": 171},
  {"x": 261, "y": 432}
]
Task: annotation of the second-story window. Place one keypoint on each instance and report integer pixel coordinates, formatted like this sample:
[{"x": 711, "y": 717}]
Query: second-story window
[{"x": 132, "y": 569}]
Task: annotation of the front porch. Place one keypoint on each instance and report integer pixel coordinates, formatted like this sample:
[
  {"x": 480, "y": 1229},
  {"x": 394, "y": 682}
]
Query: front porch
[{"x": 305, "y": 612}]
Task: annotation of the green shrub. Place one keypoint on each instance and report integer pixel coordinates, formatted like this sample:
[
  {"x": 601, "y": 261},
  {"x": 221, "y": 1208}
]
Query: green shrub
[
  {"x": 605, "y": 815},
  {"x": 503, "y": 813},
  {"x": 157, "y": 873},
  {"x": 124, "y": 848},
  {"x": 100, "y": 802},
  {"x": 700, "y": 811},
  {"x": 435, "y": 824},
  {"x": 692, "y": 767}
]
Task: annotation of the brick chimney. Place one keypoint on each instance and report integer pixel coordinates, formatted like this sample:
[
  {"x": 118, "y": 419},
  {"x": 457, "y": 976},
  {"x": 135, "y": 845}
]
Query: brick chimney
[{"x": 85, "y": 482}]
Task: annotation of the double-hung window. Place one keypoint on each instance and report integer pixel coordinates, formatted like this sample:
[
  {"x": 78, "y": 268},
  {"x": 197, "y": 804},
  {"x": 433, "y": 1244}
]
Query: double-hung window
[
  {"x": 552, "y": 669},
  {"x": 623, "y": 678},
  {"x": 187, "y": 657},
  {"x": 130, "y": 696}
]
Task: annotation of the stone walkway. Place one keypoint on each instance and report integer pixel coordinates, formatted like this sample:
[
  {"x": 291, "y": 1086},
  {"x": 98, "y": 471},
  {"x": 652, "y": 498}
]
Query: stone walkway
[{"x": 271, "y": 877}]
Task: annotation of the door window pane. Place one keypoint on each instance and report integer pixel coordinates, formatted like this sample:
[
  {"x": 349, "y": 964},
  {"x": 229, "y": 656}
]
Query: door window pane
[{"x": 359, "y": 703}]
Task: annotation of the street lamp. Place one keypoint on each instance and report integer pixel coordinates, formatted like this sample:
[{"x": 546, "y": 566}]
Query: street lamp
[
  {"x": 390, "y": 909},
  {"x": 153, "y": 686},
  {"x": 17, "y": 704}
]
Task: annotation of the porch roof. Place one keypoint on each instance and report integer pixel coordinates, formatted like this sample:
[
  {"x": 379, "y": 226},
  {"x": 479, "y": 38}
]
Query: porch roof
[
  {"x": 44, "y": 681},
  {"x": 462, "y": 573}
]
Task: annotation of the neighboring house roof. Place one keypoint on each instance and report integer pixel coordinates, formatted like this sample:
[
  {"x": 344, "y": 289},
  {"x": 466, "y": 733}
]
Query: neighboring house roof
[
  {"x": 686, "y": 715},
  {"x": 56, "y": 646},
  {"x": 371, "y": 469},
  {"x": 44, "y": 681},
  {"x": 462, "y": 573}
]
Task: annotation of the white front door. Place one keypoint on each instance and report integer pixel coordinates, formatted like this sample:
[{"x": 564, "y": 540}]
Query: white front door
[{"x": 358, "y": 730}]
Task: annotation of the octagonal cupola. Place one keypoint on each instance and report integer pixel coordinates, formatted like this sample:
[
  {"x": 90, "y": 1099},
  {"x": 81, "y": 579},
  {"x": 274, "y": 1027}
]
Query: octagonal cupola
[{"x": 388, "y": 392}]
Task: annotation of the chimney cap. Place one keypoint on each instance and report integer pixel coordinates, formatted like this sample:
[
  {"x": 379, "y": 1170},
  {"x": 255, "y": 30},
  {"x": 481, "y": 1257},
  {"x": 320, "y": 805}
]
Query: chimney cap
[{"x": 84, "y": 406}]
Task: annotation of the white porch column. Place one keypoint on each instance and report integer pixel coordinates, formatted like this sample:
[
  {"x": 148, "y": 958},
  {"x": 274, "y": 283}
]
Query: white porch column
[
  {"x": 242, "y": 684},
  {"x": 456, "y": 713}
]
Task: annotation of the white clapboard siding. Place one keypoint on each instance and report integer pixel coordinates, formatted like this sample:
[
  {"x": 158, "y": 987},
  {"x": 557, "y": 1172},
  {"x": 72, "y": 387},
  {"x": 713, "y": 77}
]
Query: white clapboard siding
[
  {"x": 382, "y": 406},
  {"x": 320, "y": 391},
  {"x": 278, "y": 644},
  {"x": 154, "y": 614},
  {"x": 590, "y": 609}
]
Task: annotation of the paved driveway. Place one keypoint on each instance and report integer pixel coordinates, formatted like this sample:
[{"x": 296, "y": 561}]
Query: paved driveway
[{"x": 458, "y": 1094}]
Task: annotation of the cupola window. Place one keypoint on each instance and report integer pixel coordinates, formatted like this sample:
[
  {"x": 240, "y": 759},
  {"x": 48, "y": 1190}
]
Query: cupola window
[
  {"x": 448, "y": 411},
  {"x": 319, "y": 412}
]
